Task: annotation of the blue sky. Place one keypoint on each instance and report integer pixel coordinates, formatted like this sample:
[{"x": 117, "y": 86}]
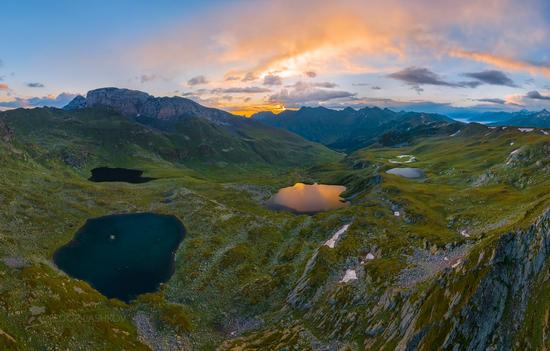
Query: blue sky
[{"x": 247, "y": 56}]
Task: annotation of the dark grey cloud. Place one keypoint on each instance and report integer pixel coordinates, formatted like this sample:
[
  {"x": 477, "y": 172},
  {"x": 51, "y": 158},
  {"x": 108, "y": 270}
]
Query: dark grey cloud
[
  {"x": 493, "y": 101},
  {"x": 535, "y": 95},
  {"x": 492, "y": 77},
  {"x": 300, "y": 97},
  {"x": 273, "y": 79},
  {"x": 329, "y": 85},
  {"x": 418, "y": 76},
  {"x": 58, "y": 101},
  {"x": 241, "y": 90},
  {"x": 144, "y": 78},
  {"x": 376, "y": 88},
  {"x": 35, "y": 85},
  {"x": 310, "y": 74},
  {"x": 197, "y": 80}
]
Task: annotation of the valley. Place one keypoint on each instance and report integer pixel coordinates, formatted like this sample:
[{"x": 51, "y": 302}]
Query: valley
[{"x": 406, "y": 265}]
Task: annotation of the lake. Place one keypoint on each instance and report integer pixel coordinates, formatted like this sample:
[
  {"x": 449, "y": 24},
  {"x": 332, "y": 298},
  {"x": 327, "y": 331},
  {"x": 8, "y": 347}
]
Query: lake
[
  {"x": 308, "y": 199},
  {"x": 125, "y": 255},
  {"x": 107, "y": 174},
  {"x": 412, "y": 173}
]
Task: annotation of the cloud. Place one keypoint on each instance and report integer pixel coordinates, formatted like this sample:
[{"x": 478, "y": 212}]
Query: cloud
[
  {"x": 198, "y": 80},
  {"x": 272, "y": 79},
  {"x": 50, "y": 100},
  {"x": 249, "y": 76},
  {"x": 35, "y": 85},
  {"x": 417, "y": 76},
  {"x": 306, "y": 94},
  {"x": 241, "y": 90},
  {"x": 493, "y": 101},
  {"x": 293, "y": 37},
  {"x": 4, "y": 86},
  {"x": 310, "y": 74},
  {"x": 144, "y": 78},
  {"x": 376, "y": 88},
  {"x": 503, "y": 61},
  {"x": 535, "y": 95},
  {"x": 230, "y": 78},
  {"x": 492, "y": 77},
  {"x": 300, "y": 85}
]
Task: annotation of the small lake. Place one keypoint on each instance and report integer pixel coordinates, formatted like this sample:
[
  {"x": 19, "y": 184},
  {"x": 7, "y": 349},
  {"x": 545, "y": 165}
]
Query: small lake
[
  {"x": 412, "y": 173},
  {"x": 308, "y": 199},
  {"x": 107, "y": 174},
  {"x": 123, "y": 256}
]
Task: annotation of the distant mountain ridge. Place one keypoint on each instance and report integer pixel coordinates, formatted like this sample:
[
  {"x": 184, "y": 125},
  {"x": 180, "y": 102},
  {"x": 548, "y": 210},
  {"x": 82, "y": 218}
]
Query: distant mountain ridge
[
  {"x": 348, "y": 129},
  {"x": 540, "y": 119},
  {"x": 523, "y": 118}
]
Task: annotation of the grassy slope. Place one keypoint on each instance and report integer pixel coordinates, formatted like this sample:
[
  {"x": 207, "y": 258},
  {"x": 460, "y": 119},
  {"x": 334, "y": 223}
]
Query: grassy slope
[
  {"x": 239, "y": 260},
  {"x": 435, "y": 211}
]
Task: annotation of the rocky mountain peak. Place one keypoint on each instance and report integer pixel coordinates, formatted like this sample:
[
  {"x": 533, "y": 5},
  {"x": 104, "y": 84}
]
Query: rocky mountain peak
[
  {"x": 127, "y": 102},
  {"x": 133, "y": 103}
]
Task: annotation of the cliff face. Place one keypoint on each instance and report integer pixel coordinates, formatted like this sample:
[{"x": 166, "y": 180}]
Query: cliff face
[
  {"x": 127, "y": 102},
  {"x": 487, "y": 302},
  {"x": 137, "y": 103}
]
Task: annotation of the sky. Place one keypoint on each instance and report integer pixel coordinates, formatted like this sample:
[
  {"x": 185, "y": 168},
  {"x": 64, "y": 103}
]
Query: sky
[{"x": 248, "y": 56}]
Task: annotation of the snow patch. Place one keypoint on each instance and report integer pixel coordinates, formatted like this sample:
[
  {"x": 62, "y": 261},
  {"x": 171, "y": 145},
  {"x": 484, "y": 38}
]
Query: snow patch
[
  {"x": 332, "y": 241},
  {"x": 525, "y": 130},
  {"x": 409, "y": 159},
  {"x": 349, "y": 276},
  {"x": 456, "y": 133},
  {"x": 368, "y": 257},
  {"x": 544, "y": 132},
  {"x": 396, "y": 213},
  {"x": 464, "y": 233}
]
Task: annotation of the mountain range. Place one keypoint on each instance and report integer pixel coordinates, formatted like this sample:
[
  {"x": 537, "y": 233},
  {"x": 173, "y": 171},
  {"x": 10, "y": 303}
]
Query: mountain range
[
  {"x": 173, "y": 129},
  {"x": 456, "y": 259},
  {"x": 349, "y": 129}
]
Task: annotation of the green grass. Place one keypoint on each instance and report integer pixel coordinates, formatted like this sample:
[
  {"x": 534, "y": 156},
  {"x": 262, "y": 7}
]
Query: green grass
[{"x": 240, "y": 261}]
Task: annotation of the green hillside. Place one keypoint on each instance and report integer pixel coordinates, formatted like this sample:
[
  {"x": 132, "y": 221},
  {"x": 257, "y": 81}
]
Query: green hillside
[
  {"x": 248, "y": 278},
  {"x": 93, "y": 137}
]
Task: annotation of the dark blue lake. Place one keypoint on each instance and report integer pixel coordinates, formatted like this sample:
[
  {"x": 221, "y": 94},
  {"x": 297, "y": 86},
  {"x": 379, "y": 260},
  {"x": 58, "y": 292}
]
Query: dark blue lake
[{"x": 123, "y": 256}]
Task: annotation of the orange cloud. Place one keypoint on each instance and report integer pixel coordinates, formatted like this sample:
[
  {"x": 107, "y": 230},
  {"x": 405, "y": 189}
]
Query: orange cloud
[
  {"x": 288, "y": 37},
  {"x": 4, "y": 86},
  {"x": 503, "y": 62}
]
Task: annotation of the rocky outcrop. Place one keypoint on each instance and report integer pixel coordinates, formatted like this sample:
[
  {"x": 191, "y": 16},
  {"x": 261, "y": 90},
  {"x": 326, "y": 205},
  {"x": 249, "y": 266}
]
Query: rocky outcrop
[
  {"x": 134, "y": 103},
  {"x": 127, "y": 102},
  {"x": 6, "y": 133},
  {"x": 497, "y": 309},
  {"x": 501, "y": 283}
]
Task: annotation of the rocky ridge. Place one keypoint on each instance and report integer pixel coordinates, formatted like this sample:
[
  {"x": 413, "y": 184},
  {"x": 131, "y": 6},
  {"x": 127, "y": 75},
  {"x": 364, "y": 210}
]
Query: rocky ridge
[{"x": 134, "y": 103}]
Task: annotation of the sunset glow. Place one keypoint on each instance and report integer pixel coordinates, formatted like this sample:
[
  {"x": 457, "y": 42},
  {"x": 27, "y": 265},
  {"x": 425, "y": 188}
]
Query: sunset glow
[{"x": 246, "y": 56}]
